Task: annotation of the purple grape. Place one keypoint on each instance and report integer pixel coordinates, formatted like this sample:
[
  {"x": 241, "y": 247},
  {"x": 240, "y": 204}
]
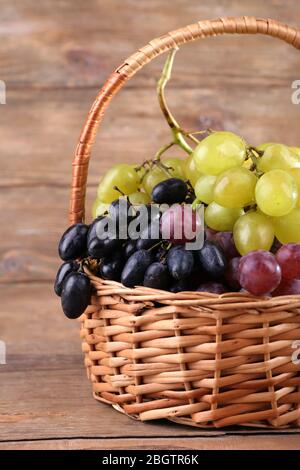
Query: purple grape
[
  {"x": 212, "y": 287},
  {"x": 288, "y": 257},
  {"x": 232, "y": 273},
  {"x": 259, "y": 272}
]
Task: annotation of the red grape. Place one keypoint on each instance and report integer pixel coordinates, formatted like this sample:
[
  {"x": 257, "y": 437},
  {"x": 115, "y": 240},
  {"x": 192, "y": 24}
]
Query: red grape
[
  {"x": 212, "y": 287},
  {"x": 288, "y": 287},
  {"x": 259, "y": 272},
  {"x": 232, "y": 273},
  {"x": 288, "y": 257},
  {"x": 180, "y": 224}
]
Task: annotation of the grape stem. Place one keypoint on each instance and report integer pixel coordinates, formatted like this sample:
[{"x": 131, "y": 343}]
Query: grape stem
[{"x": 173, "y": 124}]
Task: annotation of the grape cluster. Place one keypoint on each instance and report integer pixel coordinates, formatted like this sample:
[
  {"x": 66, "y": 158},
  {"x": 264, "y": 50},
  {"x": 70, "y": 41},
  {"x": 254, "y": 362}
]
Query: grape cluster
[{"x": 251, "y": 225}]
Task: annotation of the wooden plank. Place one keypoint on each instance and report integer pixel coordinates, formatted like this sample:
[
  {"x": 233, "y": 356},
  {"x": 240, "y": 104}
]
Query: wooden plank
[
  {"x": 133, "y": 128},
  {"x": 76, "y": 44},
  {"x": 163, "y": 443}
]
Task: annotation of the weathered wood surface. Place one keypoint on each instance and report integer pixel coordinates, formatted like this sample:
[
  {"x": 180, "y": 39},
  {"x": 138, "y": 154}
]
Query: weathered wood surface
[{"x": 54, "y": 57}]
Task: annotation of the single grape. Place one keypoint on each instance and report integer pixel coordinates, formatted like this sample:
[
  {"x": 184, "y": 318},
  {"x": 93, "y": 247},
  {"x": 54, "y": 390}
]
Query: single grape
[
  {"x": 259, "y": 272},
  {"x": 288, "y": 257},
  {"x": 235, "y": 188},
  {"x": 287, "y": 228},
  {"x": 153, "y": 177},
  {"x": 276, "y": 193},
  {"x": 121, "y": 176},
  {"x": 221, "y": 218},
  {"x": 111, "y": 267},
  {"x": 180, "y": 224},
  {"x": 204, "y": 188},
  {"x": 191, "y": 172},
  {"x": 180, "y": 262},
  {"x": 139, "y": 198},
  {"x": 253, "y": 231},
  {"x": 157, "y": 276},
  {"x": 134, "y": 270},
  {"x": 98, "y": 248},
  {"x": 212, "y": 287},
  {"x": 129, "y": 248},
  {"x": 212, "y": 259},
  {"x": 99, "y": 208},
  {"x": 65, "y": 269},
  {"x": 287, "y": 287},
  {"x": 101, "y": 241},
  {"x": 226, "y": 242},
  {"x": 73, "y": 242},
  {"x": 170, "y": 191},
  {"x": 218, "y": 152},
  {"x": 76, "y": 294},
  {"x": 175, "y": 167},
  {"x": 232, "y": 274},
  {"x": 278, "y": 157},
  {"x": 295, "y": 173}
]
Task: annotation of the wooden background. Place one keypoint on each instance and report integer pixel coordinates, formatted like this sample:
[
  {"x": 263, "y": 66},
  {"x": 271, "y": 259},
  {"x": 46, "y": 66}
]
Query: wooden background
[{"x": 54, "y": 56}]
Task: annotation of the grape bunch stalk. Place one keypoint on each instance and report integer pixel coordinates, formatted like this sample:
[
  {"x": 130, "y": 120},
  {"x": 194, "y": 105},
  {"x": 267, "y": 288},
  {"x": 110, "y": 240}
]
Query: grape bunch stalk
[{"x": 251, "y": 228}]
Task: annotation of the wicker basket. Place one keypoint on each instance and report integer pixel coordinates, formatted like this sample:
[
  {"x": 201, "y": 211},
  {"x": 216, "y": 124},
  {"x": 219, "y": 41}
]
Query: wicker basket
[{"x": 198, "y": 359}]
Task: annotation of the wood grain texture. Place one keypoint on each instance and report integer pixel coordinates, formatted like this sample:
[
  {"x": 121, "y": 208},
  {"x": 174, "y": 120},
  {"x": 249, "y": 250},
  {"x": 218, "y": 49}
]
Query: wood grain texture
[
  {"x": 161, "y": 443},
  {"x": 54, "y": 57}
]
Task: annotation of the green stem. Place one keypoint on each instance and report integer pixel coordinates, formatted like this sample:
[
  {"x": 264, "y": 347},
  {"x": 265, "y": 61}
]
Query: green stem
[{"x": 173, "y": 124}]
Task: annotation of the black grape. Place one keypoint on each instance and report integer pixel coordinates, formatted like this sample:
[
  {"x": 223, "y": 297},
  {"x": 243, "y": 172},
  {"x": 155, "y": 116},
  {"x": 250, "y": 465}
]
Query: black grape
[
  {"x": 157, "y": 276},
  {"x": 135, "y": 268},
  {"x": 111, "y": 268},
  {"x": 170, "y": 191},
  {"x": 129, "y": 248},
  {"x": 180, "y": 262},
  {"x": 76, "y": 294},
  {"x": 98, "y": 246},
  {"x": 72, "y": 244},
  {"x": 212, "y": 287},
  {"x": 212, "y": 259},
  {"x": 65, "y": 269}
]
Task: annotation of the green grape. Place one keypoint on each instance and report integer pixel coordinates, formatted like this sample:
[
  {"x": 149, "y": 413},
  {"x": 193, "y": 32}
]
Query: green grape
[
  {"x": 295, "y": 173},
  {"x": 204, "y": 188},
  {"x": 122, "y": 176},
  {"x": 253, "y": 231},
  {"x": 176, "y": 167},
  {"x": 276, "y": 193},
  {"x": 99, "y": 208},
  {"x": 191, "y": 172},
  {"x": 278, "y": 157},
  {"x": 295, "y": 150},
  {"x": 140, "y": 170},
  {"x": 221, "y": 218},
  {"x": 287, "y": 228},
  {"x": 138, "y": 198},
  {"x": 218, "y": 152},
  {"x": 152, "y": 178},
  {"x": 263, "y": 147},
  {"x": 235, "y": 188}
]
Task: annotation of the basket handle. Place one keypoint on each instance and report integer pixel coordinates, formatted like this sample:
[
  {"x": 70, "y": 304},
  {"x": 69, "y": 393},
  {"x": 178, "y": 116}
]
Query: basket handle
[{"x": 200, "y": 30}]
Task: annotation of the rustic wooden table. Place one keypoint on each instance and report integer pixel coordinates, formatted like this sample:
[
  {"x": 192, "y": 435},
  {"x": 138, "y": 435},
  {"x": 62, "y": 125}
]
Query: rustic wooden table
[{"x": 54, "y": 56}]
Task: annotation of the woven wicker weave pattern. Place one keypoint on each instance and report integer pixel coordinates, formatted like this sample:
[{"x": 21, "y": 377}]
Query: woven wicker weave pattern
[{"x": 195, "y": 358}]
